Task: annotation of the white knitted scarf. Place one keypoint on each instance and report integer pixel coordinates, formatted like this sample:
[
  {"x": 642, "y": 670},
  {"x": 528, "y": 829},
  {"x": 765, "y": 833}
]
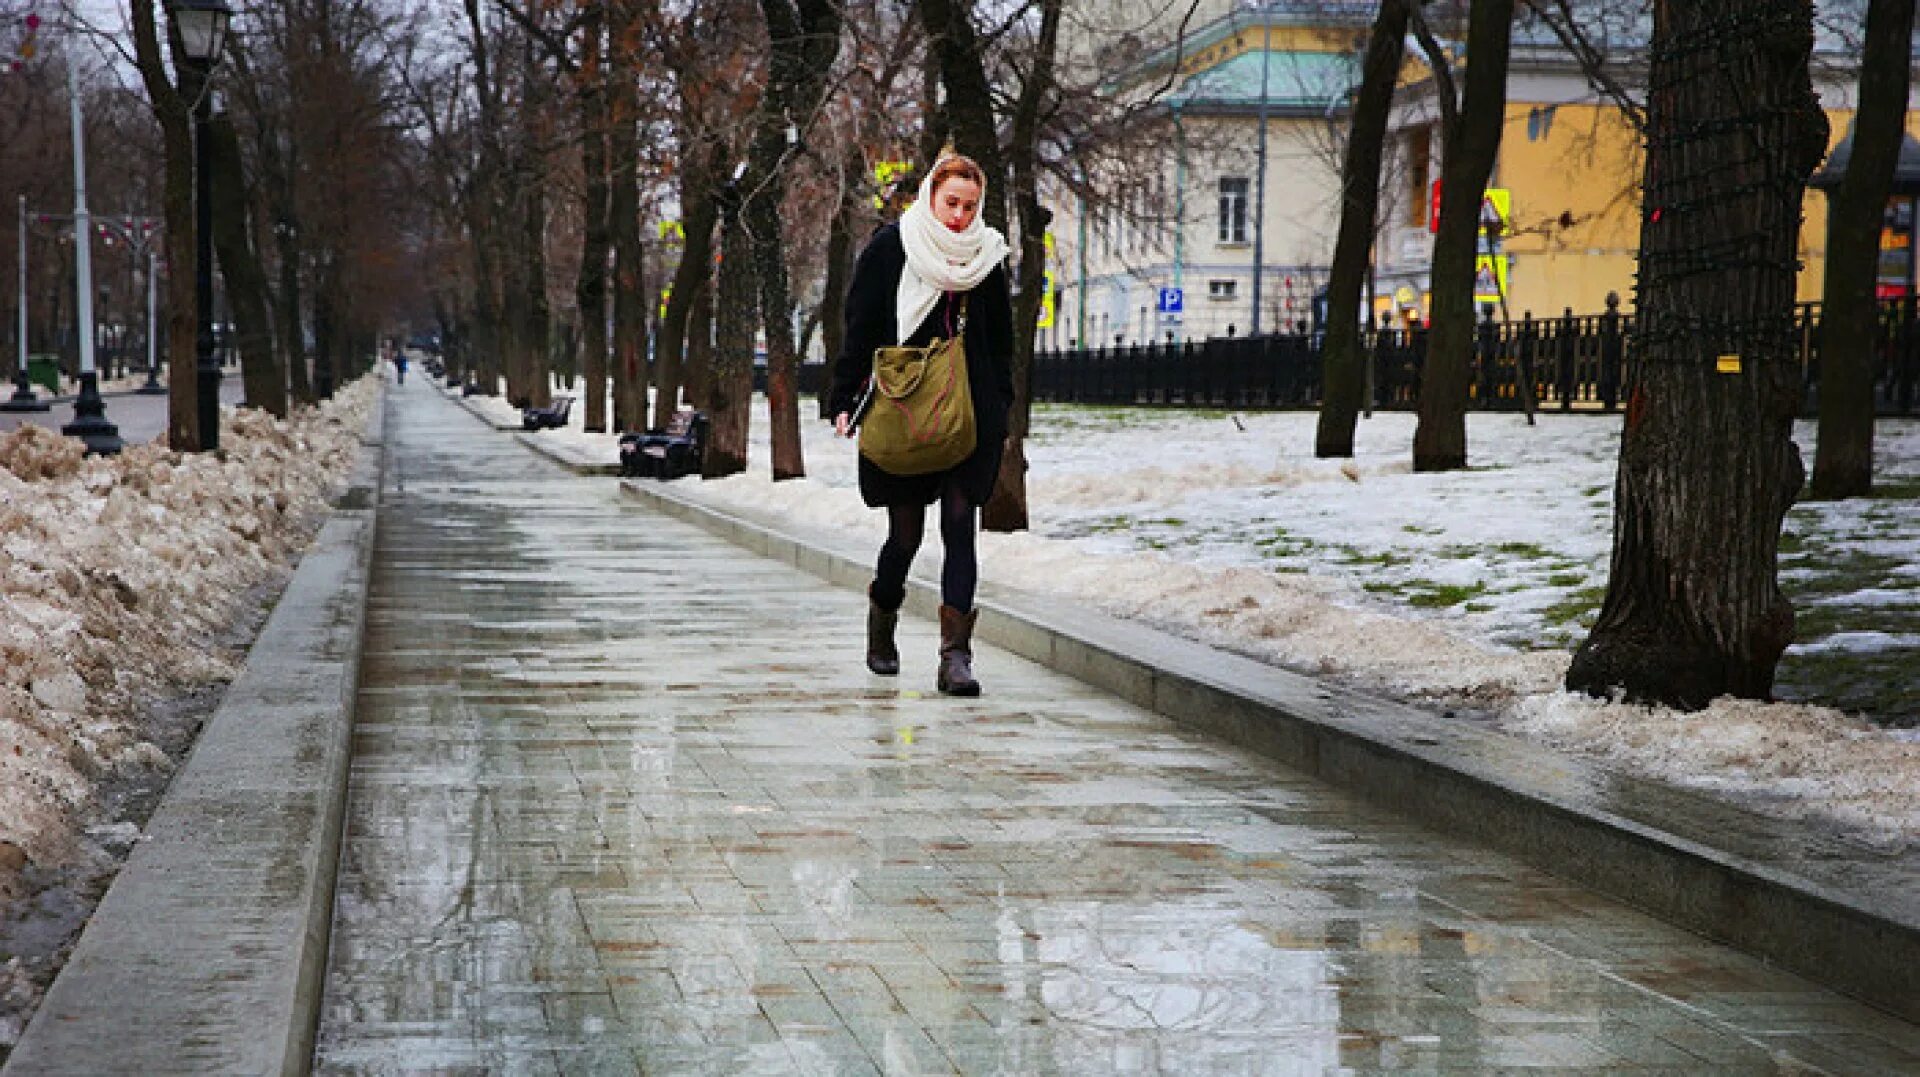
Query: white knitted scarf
[{"x": 940, "y": 260}]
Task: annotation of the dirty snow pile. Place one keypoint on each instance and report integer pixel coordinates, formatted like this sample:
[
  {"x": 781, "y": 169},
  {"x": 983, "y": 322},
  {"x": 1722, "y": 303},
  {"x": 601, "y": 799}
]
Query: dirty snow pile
[
  {"x": 1436, "y": 589},
  {"x": 117, "y": 574}
]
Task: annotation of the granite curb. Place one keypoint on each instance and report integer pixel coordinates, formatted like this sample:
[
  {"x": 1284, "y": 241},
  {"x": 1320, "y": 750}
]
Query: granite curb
[
  {"x": 1794, "y": 894},
  {"x": 570, "y": 456},
  {"x": 453, "y": 393},
  {"x": 208, "y": 952}
]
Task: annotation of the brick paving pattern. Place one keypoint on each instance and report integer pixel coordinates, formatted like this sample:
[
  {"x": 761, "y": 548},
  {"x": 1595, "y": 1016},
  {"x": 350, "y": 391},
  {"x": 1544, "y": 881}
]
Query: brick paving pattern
[{"x": 625, "y": 800}]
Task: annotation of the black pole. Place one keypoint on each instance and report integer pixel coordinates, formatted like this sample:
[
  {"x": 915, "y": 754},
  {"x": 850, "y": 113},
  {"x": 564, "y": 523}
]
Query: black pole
[{"x": 207, "y": 363}]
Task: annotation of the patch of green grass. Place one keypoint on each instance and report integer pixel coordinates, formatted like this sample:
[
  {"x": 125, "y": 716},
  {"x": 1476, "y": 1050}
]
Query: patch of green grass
[
  {"x": 1524, "y": 549},
  {"x": 1429, "y": 596},
  {"x": 1416, "y": 529},
  {"x": 1478, "y": 607},
  {"x": 1457, "y": 553},
  {"x": 1906, "y": 488},
  {"x": 1566, "y": 579},
  {"x": 1577, "y": 608},
  {"x": 1383, "y": 559},
  {"x": 1380, "y": 587},
  {"x": 1592, "y": 492}
]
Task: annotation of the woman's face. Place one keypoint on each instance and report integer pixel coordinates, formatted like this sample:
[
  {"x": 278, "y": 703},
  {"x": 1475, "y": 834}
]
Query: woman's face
[{"x": 956, "y": 202}]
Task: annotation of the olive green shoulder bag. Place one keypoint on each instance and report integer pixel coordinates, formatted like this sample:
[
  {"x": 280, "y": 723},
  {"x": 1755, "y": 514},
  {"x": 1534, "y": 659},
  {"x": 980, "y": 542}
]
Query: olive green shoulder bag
[{"x": 918, "y": 415}]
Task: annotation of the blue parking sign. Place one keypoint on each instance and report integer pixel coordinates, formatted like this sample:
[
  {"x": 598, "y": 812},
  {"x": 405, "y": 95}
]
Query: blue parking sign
[{"x": 1172, "y": 300}]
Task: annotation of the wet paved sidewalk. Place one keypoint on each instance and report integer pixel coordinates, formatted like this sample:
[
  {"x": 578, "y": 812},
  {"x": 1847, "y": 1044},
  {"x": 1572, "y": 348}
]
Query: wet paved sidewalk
[{"x": 625, "y": 800}]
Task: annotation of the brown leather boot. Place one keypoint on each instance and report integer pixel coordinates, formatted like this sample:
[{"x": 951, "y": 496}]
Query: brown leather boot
[
  {"x": 882, "y": 656},
  {"x": 956, "y": 653}
]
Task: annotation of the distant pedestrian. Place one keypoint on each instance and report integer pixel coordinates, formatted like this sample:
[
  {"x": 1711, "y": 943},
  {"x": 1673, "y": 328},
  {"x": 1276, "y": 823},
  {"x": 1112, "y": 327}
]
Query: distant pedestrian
[{"x": 937, "y": 268}]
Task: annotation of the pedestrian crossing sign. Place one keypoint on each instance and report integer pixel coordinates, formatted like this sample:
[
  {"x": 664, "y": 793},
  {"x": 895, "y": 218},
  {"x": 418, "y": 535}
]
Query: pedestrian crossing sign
[{"x": 1489, "y": 278}]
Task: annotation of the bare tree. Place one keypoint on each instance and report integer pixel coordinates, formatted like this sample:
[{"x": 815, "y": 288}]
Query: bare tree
[
  {"x": 1708, "y": 467},
  {"x": 1471, "y": 130},
  {"x": 1849, "y": 322},
  {"x": 1342, "y": 370}
]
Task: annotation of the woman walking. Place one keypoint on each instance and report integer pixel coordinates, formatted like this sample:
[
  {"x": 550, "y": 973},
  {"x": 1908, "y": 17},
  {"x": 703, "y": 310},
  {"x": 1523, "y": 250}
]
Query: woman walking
[{"x": 937, "y": 270}]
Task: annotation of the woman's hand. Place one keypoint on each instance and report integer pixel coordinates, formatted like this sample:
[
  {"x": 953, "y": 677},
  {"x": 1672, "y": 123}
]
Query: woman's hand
[{"x": 840, "y": 422}]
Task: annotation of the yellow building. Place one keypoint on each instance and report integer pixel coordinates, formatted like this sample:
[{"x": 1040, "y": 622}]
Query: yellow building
[
  {"x": 1182, "y": 219},
  {"x": 1571, "y": 165}
]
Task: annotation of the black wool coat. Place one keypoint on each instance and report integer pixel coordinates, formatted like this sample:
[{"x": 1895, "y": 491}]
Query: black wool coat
[{"x": 989, "y": 340}]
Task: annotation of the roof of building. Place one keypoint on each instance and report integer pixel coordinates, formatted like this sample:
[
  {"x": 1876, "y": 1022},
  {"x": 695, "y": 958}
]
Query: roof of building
[
  {"x": 1295, "y": 81},
  {"x": 1906, "y": 172}
]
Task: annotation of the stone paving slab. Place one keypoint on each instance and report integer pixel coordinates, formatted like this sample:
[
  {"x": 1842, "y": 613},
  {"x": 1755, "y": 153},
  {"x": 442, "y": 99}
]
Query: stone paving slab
[
  {"x": 626, "y": 800},
  {"x": 1833, "y": 909},
  {"x": 206, "y": 954}
]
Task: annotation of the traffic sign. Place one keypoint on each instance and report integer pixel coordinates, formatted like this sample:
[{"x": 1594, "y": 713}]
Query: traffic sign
[{"x": 1172, "y": 300}]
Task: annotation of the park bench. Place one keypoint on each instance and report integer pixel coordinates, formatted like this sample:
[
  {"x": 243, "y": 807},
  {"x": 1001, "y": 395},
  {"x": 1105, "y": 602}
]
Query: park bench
[
  {"x": 666, "y": 452},
  {"x": 551, "y": 417}
]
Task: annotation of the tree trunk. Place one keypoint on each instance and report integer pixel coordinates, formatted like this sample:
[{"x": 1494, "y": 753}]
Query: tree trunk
[
  {"x": 692, "y": 280},
  {"x": 183, "y": 418},
  {"x": 327, "y": 329},
  {"x": 969, "y": 107},
  {"x": 833, "y": 300},
  {"x": 246, "y": 285},
  {"x": 535, "y": 334},
  {"x": 699, "y": 368},
  {"x": 803, "y": 43},
  {"x": 1344, "y": 355},
  {"x": 1708, "y": 466},
  {"x": 1006, "y": 508},
  {"x": 1472, "y": 144},
  {"x": 591, "y": 290},
  {"x": 731, "y": 391},
  {"x": 629, "y": 276},
  {"x": 293, "y": 338},
  {"x": 1849, "y": 319}
]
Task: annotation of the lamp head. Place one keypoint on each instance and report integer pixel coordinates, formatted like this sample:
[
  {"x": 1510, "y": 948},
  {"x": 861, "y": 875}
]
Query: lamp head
[{"x": 202, "y": 25}]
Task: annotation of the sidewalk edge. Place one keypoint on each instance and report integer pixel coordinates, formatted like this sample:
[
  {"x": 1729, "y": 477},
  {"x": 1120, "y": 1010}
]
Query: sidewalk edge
[
  {"x": 1486, "y": 786},
  {"x": 208, "y": 952}
]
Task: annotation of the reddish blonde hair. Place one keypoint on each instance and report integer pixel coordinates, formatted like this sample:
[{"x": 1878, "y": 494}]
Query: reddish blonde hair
[{"x": 956, "y": 164}]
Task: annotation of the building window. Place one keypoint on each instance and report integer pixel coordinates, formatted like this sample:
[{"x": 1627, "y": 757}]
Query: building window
[
  {"x": 1233, "y": 209},
  {"x": 1419, "y": 163},
  {"x": 1222, "y": 289},
  {"x": 1540, "y": 123}
]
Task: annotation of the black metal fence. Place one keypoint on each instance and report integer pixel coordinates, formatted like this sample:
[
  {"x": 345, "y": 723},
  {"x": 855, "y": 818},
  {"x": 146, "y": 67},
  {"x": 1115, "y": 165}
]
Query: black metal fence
[{"x": 1573, "y": 363}]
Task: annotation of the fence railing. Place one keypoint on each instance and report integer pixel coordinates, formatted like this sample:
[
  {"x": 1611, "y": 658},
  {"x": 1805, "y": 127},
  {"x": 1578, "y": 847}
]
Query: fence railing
[{"x": 1573, "y": 363}]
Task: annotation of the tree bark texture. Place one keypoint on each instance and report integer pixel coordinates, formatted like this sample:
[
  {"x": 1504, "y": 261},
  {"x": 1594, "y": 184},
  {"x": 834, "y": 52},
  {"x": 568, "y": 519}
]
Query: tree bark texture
[
  {"x": 692, "y": 279},
  {"x": 1006, "y": 508},
  {"x": 1708, "y": 467},
  {"x": 969, "y": 106},
  {"x": 629, "y": 276},
  {"x": 803, "y": 41},
  {"x": 1344, "y": 354},
  {"x": 730, "y": 402},
  {"x": 699, "y": 376},
  {"x": 833, "y": 299},
  {"x": 1472, "y": 143},
  {"x": 591, "y": 289},
  {"x": 293, "y": 338},
  {"x": 170, "y": 108},
  {"x": 539, "y": 331},
  {"x": 1850, "y": 322},
  {"x": 246, "y": 283}
]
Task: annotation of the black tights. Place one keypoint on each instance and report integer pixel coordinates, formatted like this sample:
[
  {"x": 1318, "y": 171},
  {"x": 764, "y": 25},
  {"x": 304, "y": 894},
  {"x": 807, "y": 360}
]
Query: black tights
[{"x": 906, "y": 525}]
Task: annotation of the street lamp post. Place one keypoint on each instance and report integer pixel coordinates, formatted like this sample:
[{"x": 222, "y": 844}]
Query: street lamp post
[
  {"x": 140, "y": 234},
  {"x": 153, "y": 386},
  {"x": 23, "y": 398},
  {"x": 1260, "y": 177},
  {"x": 201, "y": 27},
  {"x": 89, "y": 423}
]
